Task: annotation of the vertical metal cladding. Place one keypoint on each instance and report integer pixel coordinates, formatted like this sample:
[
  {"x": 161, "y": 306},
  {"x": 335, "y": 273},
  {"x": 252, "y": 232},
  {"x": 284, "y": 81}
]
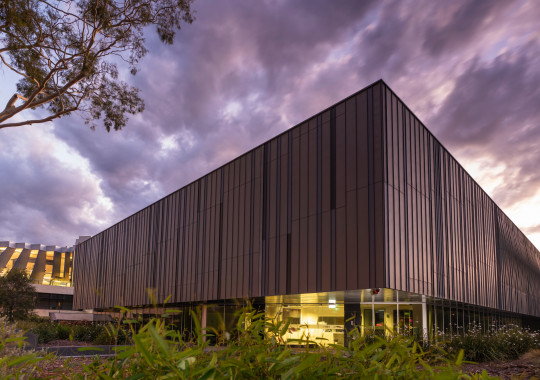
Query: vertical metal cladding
[
  {"x": 359, "y": 196},
  {"x": 301, "y": 213},
  {"x": 519, "y": 268},
  {"x": 445, "y": 237}
]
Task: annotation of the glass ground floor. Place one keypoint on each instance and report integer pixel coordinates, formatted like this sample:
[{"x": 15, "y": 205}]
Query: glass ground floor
[{"x": 333, "y": 316}]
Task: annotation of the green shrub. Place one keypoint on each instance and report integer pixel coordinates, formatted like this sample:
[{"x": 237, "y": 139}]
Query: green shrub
[
  {"x": 90, "y": 333},
  {"x": 507, "y": 343},
  {"x": 87, "y": 333},
  {"x": 63, "y": 332},
  {"x": 257, "y": 351},
  {"x": 104, "y": 337},
  {"x": 46, "y": 332}
]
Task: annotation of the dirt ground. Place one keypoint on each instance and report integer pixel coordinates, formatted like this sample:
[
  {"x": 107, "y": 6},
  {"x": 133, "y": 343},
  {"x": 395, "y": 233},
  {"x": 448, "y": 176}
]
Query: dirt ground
[
  {"x": 63, "y": 368},
  {"x": 58, "y": 343},
  {"x": 526, "y": 367}
]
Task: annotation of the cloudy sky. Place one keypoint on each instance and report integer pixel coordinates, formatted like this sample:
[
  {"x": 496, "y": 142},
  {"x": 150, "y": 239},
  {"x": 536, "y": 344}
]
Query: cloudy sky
[{"x": 245, "y": 71}]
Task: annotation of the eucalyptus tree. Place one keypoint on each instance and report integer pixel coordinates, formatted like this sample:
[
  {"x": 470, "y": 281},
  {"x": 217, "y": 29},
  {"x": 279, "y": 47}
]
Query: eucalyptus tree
[
  {"x": 66, "y": 55},
  {"x": 17, "y": 295}
]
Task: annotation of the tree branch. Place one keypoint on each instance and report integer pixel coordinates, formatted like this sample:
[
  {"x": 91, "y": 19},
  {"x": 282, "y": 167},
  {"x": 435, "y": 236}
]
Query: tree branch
[
  {"x": 11, "y": 103},
  {"x": 62, "y": 51},
  {"x": 39, "y": 121}
]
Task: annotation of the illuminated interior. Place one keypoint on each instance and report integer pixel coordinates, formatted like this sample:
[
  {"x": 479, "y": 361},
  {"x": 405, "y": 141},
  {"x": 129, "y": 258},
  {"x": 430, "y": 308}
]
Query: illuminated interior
[
  {"x": 11, "y": 262},
  {"x": 323, "y": 324},
  {"x": 31, "y": 262},
  {"x": 329, "y": 318},
  {"x": 44, "y": 267}
]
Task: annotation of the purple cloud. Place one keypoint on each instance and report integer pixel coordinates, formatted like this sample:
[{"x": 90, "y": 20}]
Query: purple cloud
[{"x": 245, "y": 71}]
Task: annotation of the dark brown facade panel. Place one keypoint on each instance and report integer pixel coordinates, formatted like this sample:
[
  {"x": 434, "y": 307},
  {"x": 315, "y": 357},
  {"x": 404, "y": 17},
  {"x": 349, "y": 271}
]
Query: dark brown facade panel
[
  {"x": 362, "y": 163},
  {"x": 284, "y": 215},
  {"x": 351, "y": 233},
  {"x": 377, "y": 266},
  {"x": 326, "y": 248},
  {"x": 341, "y": 249},
  {"x": 313, "y": 207},
  {"x": 363, "y": 279},
  {"x": 246, "y": 232},
  {"x": 233, "y": 254},
  {"x": 341, "y": 163},
  {"x": 351, "y": 192}
]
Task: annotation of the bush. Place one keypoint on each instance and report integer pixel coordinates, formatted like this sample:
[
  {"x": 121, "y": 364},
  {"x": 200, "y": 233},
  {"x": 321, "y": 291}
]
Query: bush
[
  {"x": 46, "y": 332},
  {"x": 90, "y": 333},
  {"x": 104, "y": 337},
  {"x": 257, "y": 351},
  {"x": 111, "y": 335},
  {"x": 63, "y": 332},
  {"x": 507, "y": 343},
  {"x": 87, "y": 333}
]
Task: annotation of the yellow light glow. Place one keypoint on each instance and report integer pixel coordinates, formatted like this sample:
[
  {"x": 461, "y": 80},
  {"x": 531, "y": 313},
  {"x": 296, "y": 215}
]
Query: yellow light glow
[
  {"x": 62, "y": 263},
  {"x": 50, "y": 255}
]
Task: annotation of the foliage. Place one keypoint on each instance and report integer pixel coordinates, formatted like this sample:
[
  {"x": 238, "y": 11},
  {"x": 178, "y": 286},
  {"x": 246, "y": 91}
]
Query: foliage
[
  {"x": 257, "y": 351},
  {"x": 65, "y": 53},
  {"x": 16, "y": 361},
  {"x": 17, "y": 295},
  {"x": 63, "y": 331},
  {"x": 157, "y": 350},
  {"x": 96, "y": 333},
  {"x": 46, "y": 332},
  {"x": 505, "y": 343}
]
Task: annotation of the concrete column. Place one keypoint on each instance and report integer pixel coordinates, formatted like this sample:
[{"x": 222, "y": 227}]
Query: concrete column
[
  {"x": 372, "y": 313},
  {"x": 203, "y": 321},
  {"x": 397, "y": 310}
]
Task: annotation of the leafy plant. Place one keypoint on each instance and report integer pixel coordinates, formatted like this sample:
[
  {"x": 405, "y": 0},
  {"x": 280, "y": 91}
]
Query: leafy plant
[
  {"x": 15, "y": 361},
  {"x": 505, "y": 343},
  {"x": 45, "y": 331},
  {"x": 17, "y": 295},
  {"x": 257, "y": 351}
]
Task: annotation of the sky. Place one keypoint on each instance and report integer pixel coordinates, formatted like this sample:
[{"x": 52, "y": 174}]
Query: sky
[{"x": 245, "y": 71}]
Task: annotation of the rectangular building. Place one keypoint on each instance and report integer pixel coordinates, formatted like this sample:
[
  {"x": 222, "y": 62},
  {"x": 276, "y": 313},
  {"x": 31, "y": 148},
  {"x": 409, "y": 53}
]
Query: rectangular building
[{"x": 358, "y": 211}]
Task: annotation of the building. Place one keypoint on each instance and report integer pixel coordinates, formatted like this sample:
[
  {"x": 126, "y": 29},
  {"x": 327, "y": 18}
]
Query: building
[
  {"x": 49, "y": 268},
  {"x": 357, "y": 214}
]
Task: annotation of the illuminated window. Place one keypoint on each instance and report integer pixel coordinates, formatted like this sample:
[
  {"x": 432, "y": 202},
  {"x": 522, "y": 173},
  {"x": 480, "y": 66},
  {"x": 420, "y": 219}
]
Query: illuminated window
[
  {"x": 62, "y": 263},
  {"x": 31, "y": 261},
  {"x": 13, "y": 259},
  {"x": 48, "y": 268},
  {"x": 323, "y": 323}
]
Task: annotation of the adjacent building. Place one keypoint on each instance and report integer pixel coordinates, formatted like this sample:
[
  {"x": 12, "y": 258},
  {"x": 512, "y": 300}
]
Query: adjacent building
[
  {"x": 357, "y": 214},
  {"x": 49, "y": 268}
]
